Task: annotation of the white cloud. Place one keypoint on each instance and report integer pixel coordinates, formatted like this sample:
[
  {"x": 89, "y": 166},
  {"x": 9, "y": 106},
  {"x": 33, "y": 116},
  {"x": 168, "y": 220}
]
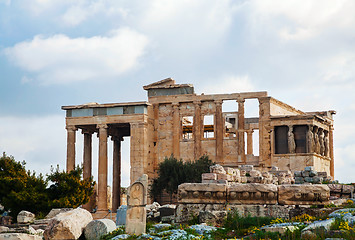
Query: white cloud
[
  {"x": 301, "y": 21},
  {"x": 60, "y": 59},
  {"x": 41, "y": 142},
  {"x": 229, "y": 84}
]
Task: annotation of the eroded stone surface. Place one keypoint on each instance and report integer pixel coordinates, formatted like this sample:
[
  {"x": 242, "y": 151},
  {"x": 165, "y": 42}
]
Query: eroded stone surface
[
  {"x": 97, "y": 228},
  {"x": 252, "y": 193},
  {"x": 136, "y": 212},
  {"x": 25, "y": 217},
  {"x": 68, "y": 225},
  {"x": 202, "y": 193},
  {"x": 303, "y": 194}
]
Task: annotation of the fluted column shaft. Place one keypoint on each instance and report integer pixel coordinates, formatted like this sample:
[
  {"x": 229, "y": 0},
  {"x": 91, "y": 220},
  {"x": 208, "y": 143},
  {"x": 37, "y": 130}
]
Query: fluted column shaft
[
  {"x": 176, "y": 130},
  {"x": 250, "y": 142},
  {"x": 241, "y": 141},
  {"x": 219, "y": 132},
  {"x": 102, "y": 176},
  {"x": 116, "y": 173},
  {"x": 87, "y": 155},
  {"x": 71, "y": 136},
  {"x": 197, "y": 132}
]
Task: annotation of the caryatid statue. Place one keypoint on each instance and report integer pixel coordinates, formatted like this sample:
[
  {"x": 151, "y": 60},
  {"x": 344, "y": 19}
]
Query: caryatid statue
[
  {"x": 291, "y": 140},
  {"x": 321, "y": 142},
  {"x": 326, "y": 144},
  {"x": 310, "y": 139},
  {"x": 316, "y": 140}
]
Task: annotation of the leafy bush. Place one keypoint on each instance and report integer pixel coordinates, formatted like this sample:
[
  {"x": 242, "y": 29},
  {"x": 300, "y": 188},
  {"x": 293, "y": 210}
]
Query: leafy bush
[
  {"x": 173, "y": 172},
  {"x": 23, "y": 190}
]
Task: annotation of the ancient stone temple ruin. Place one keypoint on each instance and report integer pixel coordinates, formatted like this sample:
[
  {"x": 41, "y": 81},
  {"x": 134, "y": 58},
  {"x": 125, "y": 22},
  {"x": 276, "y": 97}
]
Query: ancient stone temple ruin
[{"x": 175, "y": 120}]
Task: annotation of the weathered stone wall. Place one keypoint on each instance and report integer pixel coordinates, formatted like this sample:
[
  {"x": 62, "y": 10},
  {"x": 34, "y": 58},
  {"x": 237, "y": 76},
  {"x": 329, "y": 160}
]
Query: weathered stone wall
[
  {"x": 253, "y": 193},
  {"x": 186, "y": 211}
]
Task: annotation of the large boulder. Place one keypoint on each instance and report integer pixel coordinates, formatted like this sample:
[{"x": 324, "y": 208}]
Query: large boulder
[
  {"x": 25, "y": 217},
  {"x": 97, "y": 228},
  {"x": 68, "y": 225},
  {"x": 55, "y": 211},
  {"x": 19, "y": 236}
]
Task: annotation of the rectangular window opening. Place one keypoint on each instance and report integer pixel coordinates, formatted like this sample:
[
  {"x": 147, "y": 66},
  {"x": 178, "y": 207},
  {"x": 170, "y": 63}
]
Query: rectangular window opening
[
  {"x": 281, "y": 142},
  {"x": 231, "y": 125},
  {"x": 300, "y": 138},
  {"x": 187, "y": 127},
  {"x": 208, "y": 126}
]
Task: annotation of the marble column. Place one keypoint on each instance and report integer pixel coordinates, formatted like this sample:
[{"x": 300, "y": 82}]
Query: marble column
[
  {"x": 241, "y": 141},
  {"x": 219, "y": 127},
  {"x": 116, "y": 173},
  {"x": 71, "y": 135},
  {"x": 250, "y": 141},
  {"x": 197, "y": 132},
  {"x": 102, "y": 176},
  {"x": 87, "y": 154},
  {"x": 176, "y": 130}
]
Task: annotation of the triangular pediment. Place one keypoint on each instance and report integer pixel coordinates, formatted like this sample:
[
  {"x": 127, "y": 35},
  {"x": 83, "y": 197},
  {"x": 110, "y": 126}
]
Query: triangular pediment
[{"x": 162, "y": 83}]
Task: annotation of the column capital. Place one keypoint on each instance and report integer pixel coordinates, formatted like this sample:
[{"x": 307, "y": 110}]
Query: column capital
[
  {"x": 240, "y": 100},
  {"x": 175, "y": 104},
  {"x": 102, "y": 126},
  {"x": 197, "y": 102},
  {"x": 86, "y": 131},
  {"x": 250, "y": 131},
  {"x": 71, "y": 128},
  {"x": 218, "y": 102},
  {"x": 116, "y": 138}
]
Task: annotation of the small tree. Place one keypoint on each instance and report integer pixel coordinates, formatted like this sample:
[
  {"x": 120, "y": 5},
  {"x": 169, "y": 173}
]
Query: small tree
[
  {"x": 68, "y": 189},
  {"x": 173, "y": 172},
  {"x": 22, "y": 190}
]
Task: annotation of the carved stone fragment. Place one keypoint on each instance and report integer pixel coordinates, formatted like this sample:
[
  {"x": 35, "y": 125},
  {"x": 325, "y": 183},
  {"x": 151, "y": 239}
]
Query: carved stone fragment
[
  {"x": 303, "y": 194},
  {"x": 202, "y": 193},
  {"x": 252, "y": 193}
]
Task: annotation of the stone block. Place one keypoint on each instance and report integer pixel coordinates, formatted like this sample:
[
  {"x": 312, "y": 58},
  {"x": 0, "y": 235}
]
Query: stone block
[
  {"x": 221, "y": 176},
  {"x": 121, "y": 215},
  {"x": 98, "y": 228},
  {"x": 322, "y": 174},
  {"x": 347, "y": 188},
  {"x": 202, "y": 193},
  {"x": 68, "y": 225},
  {"x": 335, "y": 187},
  {"x": 222, "y": 181},
  {"x": 247, "y": 168},
  {"x": 19, "y": 236},
  {"x": 209, "y": 176},
  {"x": 309, "y": 168},
  {"x": 25, "y": 217},
  {"x": 230, "y": 171},
  {"x": 308, "y": 179},
  {"x": 209, "y": 181},
  {"x": 255, "y": 173},
  {"x": 305, "y": 173},
  {"x": 316, "y": 194},
  {"x": 297, "y": 174},
  {"x": 252, "y": 193},
  {"x": 217, "y": 169},
  {"x": 317, "y": 180},
  {"x": 299, "y": 180},
  {"x": 274, "y": 168},
  {"x": 313, "y": 173}
]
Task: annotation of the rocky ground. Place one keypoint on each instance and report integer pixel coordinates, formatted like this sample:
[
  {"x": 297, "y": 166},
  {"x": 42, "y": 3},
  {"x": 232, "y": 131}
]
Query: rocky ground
[{"x": 305, "y": 223}]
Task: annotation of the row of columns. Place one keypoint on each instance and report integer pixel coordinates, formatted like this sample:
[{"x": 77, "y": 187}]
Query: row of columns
[
  {"x": 102, "y": 164},
  {"x": 219, "y": 130}
]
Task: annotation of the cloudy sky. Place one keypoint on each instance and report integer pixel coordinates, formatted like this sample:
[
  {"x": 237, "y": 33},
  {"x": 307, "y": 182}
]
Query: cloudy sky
[{"x": 64, "y": 52}]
